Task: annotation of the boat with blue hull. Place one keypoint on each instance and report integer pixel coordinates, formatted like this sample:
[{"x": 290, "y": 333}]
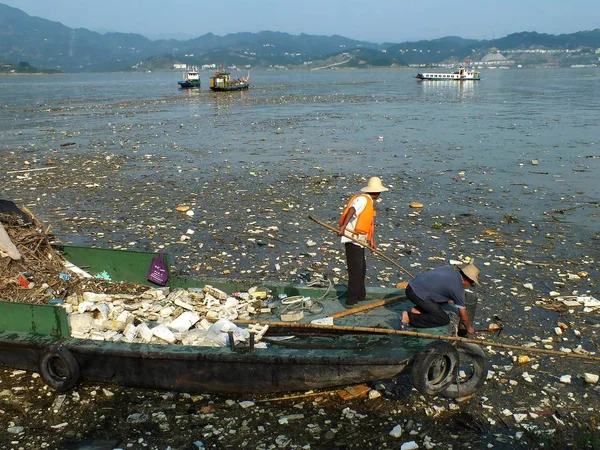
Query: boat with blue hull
[{"x": 191, "y": 78}]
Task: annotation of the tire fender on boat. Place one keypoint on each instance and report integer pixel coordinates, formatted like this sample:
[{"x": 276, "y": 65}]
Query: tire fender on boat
[
  {"x": 434, "y": 369},
  {"x": 59, "y": 369},
  {"x": 476, "y": 374}
]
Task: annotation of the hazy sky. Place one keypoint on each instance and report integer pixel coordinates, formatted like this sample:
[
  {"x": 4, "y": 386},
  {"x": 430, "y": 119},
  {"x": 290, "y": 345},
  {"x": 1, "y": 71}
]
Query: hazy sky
[{"x": 373, "y": 20}]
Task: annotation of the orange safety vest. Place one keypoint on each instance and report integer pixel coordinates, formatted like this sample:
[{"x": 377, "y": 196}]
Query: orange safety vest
[{"x": 365, "y": 224}]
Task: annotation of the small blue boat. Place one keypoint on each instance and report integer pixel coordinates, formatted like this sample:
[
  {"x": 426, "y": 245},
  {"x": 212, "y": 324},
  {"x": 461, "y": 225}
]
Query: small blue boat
[{"x": 191, "y": 79}]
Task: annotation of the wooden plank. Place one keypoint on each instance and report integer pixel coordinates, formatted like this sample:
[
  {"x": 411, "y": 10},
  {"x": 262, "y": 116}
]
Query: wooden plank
[
  {"x": 352, "y": 392},
  {"x": 367, "y": 307}
]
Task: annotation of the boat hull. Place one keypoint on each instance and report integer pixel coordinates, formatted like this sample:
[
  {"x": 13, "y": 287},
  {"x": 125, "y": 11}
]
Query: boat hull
[
  {"x": 238, "y": 87},
  {"x": 188, "y": 84},
  {"x": 205, "y": 369}
]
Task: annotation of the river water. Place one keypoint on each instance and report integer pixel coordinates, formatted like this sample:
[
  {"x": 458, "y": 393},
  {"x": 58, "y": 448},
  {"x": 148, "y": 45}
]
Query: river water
[
  {"x": 125, "y": 149},
  {"x": 366, "y": 121},
  {"x": 517, "y": 153}
]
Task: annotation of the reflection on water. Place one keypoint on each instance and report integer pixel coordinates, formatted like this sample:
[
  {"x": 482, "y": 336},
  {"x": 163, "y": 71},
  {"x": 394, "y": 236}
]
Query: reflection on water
[
  {"x": 461, "y": 90},
  {"x": 227, "y": 100},
  {"x": 218, "y": 101},
  {"x": 191, "y": 92}
]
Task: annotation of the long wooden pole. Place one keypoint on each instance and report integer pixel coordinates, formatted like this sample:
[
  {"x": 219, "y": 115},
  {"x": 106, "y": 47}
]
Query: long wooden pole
[
  {"x": 351, "y": 329},
  {"x": 368, "y": 306},
  {"x": 374, "y": 250},
  {"x": 32, "y": 170}
]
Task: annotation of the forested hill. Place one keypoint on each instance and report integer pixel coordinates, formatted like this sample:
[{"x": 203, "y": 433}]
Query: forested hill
[
  {"x": 45, "y": 43},
  {"x": 52, "y": 45}
]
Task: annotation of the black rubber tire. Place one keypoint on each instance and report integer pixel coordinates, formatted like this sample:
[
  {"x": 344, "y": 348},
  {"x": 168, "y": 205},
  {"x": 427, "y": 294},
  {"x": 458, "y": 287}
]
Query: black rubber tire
[
  {"x": 434, "y": 369},
  {"x": 59, "y": 369},
  {"x": 474, "y": 357}
]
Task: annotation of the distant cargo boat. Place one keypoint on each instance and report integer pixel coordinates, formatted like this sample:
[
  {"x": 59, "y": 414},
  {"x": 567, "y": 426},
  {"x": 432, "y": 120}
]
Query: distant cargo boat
[
  {"x": 461, "y": 75},
  {"x": 222, "y": 81},
  {"x": 191, "y": 79}
]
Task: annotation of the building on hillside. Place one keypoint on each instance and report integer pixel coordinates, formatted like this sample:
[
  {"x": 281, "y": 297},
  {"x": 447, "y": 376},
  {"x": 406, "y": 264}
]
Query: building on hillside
[
  {"x": 179, "y": 66},
  {"x": 493, "y": 59}
]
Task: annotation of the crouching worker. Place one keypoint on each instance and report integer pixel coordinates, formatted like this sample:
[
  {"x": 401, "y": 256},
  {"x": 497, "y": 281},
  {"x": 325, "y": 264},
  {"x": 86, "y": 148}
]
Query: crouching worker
[{"x": 439, "y": 286}]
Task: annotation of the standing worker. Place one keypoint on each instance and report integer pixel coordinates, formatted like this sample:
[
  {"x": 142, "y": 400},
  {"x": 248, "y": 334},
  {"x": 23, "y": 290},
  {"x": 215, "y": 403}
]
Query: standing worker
[
  {"x": 438, "y": 286},
  {"x": 358, "y": 222}
]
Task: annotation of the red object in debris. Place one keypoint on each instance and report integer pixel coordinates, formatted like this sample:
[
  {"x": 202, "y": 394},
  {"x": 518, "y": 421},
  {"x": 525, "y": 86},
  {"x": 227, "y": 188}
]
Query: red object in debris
[{"x": 23, "y": 282}]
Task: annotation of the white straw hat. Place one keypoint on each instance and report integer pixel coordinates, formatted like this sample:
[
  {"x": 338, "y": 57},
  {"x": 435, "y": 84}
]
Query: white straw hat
[
  {"x": 471, "y": 272},
  {"x": 374, "y": 185}
]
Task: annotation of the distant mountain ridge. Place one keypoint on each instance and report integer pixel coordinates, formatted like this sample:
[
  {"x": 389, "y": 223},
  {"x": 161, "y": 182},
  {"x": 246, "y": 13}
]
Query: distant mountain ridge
[{"x": 52, "y": 45}]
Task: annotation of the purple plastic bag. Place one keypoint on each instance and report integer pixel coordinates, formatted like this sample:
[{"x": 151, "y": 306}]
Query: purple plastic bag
[{"x": 158, "y": 270}]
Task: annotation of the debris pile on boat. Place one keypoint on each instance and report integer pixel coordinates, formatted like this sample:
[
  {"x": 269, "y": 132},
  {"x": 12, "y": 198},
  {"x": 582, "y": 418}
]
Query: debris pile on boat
[
  {"x": 32, "y": 271},
  {"x": 36, "y": 272},
  {"x": 104, "y": 310},
  {"x": 159, "y": 315},
  {"x": 24, "y": 250}
]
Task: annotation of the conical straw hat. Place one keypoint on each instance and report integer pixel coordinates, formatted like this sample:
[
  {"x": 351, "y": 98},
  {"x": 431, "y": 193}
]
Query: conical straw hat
[
  {"x": 374, "y": 185},
  {"x": 471, "y": 272}
]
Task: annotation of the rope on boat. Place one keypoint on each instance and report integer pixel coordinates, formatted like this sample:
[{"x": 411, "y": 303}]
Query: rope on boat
[
  {"x": 316, "y": 306},
  {"x": 299, "y": 303}
]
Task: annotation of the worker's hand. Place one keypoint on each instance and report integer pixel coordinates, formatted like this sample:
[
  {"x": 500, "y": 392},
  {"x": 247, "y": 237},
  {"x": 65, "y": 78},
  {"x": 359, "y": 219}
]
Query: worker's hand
[
  {"x": 471, "y": 330},
  {"x": 341, "y": 232},
  {"x": 372, "y": 245}
]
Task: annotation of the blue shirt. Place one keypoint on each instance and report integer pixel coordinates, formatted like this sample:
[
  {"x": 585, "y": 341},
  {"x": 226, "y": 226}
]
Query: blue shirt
[{"x": 440, "y": 285}]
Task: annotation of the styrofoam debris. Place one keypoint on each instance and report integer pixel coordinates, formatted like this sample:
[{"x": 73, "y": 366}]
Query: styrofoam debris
[
  {"x": 162, "y": 332},
  {"x": 396, "y": 431},
  {"x": 590, "y": 378},
  {"x": 184, "y": 322}
]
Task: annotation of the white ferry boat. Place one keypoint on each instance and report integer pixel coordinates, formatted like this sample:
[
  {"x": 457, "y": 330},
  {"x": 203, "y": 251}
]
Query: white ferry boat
[{"x": 461, "y": 75}]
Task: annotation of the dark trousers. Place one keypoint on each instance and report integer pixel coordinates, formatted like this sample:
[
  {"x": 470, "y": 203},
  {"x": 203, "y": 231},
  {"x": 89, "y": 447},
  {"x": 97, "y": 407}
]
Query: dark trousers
[
  {"x": 432, "y": 314},
  {"x": 357, "y": 270}
]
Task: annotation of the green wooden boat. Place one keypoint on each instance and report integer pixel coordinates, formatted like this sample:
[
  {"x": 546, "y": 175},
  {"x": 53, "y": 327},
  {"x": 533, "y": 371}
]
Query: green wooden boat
[{"x": 37, "y": 338}]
